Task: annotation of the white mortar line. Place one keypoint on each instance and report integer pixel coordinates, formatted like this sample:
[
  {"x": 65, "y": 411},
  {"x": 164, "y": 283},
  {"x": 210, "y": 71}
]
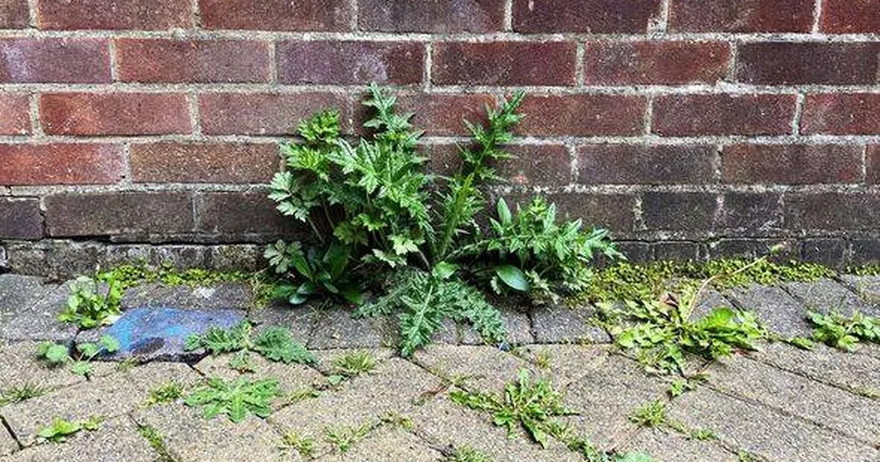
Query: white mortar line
[
  {"x": 798, "y": 113},
  {"x": 817, "y": 17},
  {"x": 579, "y": 72},
  {"x": 508, "y": 15},
  {"x": 34, "y": 113},
  {"x": 427, "y": 73}
]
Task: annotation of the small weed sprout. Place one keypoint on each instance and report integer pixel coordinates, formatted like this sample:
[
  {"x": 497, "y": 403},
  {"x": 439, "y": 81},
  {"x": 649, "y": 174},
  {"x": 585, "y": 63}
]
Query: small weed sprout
[
  {"x": 19, "y": 393},
  {"x": 651, "y": 415},
  {"x": 165, "y": 393},
  {"x": 354, "y": 364},
  {"x": 90, "y": 306},
  {"x": 60, "y": 429},
  {"x": 304, "y": 445},
  {"x": 343, "y": 438}
]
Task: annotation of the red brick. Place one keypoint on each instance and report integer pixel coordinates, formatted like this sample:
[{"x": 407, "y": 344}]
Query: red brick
[
  {"x": 114, "y": 14},
  {"x": 350, "y": 62},
  {"x": 169, "y": 162},
  {"x": 791, "y": 163},
  {"x": 583, "y": 115},
  {"x": 119, "y": 213},
  {"x": 750, "y": 211},
  {"x": 788, "y": 63},
  {"x": 842, "y": 114},
  {"x": 250, "y": 213},
  {"x": 14, "y": 14},
  {"x": 20, "y": 218},
  {"x": 832, "y": 211},
  {"x": 264, "y": 113},
  {"x": 440, "y": 17},
  {"x": 851, "y": 16},
  {"x": 504, "y": 63},
  {"x": 60, "y": 163},
  {"x": 441, "y": 114},
  {"x": 872, "y": 159},
  {"x": 590, "y": 16},
  {"x": 741, "y": 16},
  {"x": 15, "y": 118},
  {"x": 182, "y": 61},
  {"x": 646, "y": 164},
  {"x": 75, "y": 60},
  {"x": 301, "y": 15},
  {"x": 663, "y": 63},
  {"x": 115, "y": 114},
  {"x": 722, "y": 114}
]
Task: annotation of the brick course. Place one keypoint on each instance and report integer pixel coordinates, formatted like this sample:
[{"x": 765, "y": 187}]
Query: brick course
[{"x": 674, "y": 123}]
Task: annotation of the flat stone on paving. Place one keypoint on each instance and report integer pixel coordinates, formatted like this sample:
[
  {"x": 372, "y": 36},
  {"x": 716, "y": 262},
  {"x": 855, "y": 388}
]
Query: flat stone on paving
[
  {"x": 336, "y": 328},
  {"x": 106, "y": 397},
  {"x": 7, "y": 442},
  {"x": 388, "y": 445},
  {"x": 665, "y": 445},
  {"x": 825, "y": 364},
  {"x": 327, "y": 357},
  {"x": 190, "y": 437},
  {"x": 115, "y": 440},
  {"x": 450, "y": 425},
  {"x": 567, "y": 362},
  {"x": 765, "y": 432},
  {"x": 822, "y": 404},
  {"x": 396, "y": 386},
  {"x": 18, "y": 294},
  {"x": 225, "y": 295},
  {"x": 709, "y": 300},
  {"x": 606, "y": 396},
  {"x": 826, "y": 295},
  {"x": 774, "y": 307},
  {"x": 483, "y": 368},
  {"x": 291, "y": 377},
  {"x": 40, "y": 322},
  {"x": 20, "y": 366},
  {"x": 560, "y": 324},
  {"x": 299, "y": 320}
]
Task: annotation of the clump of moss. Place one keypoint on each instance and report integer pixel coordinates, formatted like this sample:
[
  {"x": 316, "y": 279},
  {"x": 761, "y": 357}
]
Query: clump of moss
[
  {"x": 872, "y": 269},
  {"x": 132, "y": 275}
]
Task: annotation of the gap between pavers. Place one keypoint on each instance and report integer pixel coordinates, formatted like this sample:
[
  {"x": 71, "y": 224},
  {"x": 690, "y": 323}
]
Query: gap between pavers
[
  {"x": 390, "y": 444},
  {"x": 666, "y": 445},
  {"x": 477, "y": 368}
]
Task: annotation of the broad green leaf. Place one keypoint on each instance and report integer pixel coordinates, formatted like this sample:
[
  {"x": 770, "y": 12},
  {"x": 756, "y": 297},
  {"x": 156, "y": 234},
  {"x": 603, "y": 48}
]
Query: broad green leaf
[{"x": 513, "y": 277}]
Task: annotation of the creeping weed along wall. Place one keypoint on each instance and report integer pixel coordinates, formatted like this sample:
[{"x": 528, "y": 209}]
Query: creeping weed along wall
[{"x": 690, "y": 128}]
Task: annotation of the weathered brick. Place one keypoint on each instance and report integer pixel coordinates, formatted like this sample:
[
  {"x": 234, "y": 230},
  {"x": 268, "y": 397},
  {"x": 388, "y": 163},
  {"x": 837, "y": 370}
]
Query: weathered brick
[
  {"x": 682, "y": 251},
  {"x": 60, "y": 163},
  {"x": 236, "y": 213},
  {"x": 679, "y": 211},
  {"x": 537, "y": 165},
  {"x": 302, "y": 15},
  {"x": 16, "y": 118},
  {"x": 791, "y": 63},
  {"x": 646, "y": 164},
  {"x": 615, "y": 212},
  {"x": 265, "y": 113},
  {"x": 865, "y": 250},
  {"x": 118, "y": 213},
  {"x": 723, "y": 114},
  {"x": 114, "y": 113},
  {"x": 114, "y": 14},
  {"x": 431, "y": 16},
  {"x": 50, "y": 60},
  {"x": 14, "y": 14},
  {"x": 850, "y": 16},
  {"x": 829, "y": 252},
  {"x": 20, "y": 218},
  {"x": 832, "y": 211},
  {"x": 182, "y": 61},
  {"x": 350, "y": 62},
  {"x": 741, "y": 16},
  {"x": 168, "y": 162},
  {"x": 842, "y": 114},
  {"x": 590, "y": 16},
  {"x": 872, "y": 161},
  {"x": 441, "y": 114},
  {"x": 583, "y": 115},
  {"x": 504, "y": 63},
  {"x": 655, "y": 63},
  {"x": 750, "y": 211},
  {"x": 791, "y": 163}
]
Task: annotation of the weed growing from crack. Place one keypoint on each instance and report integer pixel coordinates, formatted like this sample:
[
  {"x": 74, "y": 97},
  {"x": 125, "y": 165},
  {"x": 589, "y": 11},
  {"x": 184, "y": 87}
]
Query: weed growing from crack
[
  {"x": 60, "y": 429},
  {"x": 467, "y": 454},
  {"x": 304, "y": 445},
  {"x": 23, "y": 392},
  {"x": 57, "y": 354},
  {"x": 165, "y": 393},
  {"x": 235, "y": 398},
  {"x": 343, "y": 438},
  {"x": 354, "y": 363},
  {"x": 274, "y": 343},
  {"x": 157, "y": 442},
  {"x": 845, "y": 332},
  {"x": 651, "y": 415}
]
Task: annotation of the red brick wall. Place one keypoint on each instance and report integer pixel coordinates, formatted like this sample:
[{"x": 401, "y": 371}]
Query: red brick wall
[{"x": 690, "y": 128}]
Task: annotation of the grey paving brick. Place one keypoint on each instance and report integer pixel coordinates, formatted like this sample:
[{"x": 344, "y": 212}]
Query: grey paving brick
[
  {"x": 337, "y": 329},
  {"x": 560, "y": 324},
  {"x": 190, "y": 437},
  {"x": 482, "y": 368},
  {"x": 291, "y": 377},
  {"x": 388, "y": 445},
  {"x": 866, "y": 287},
  {"x": 826, "y": 295},
  {"x": 778, "y": 310},
  {"x": 152, "y": 375},
  {"x": 105, "y": 397},
  {"x": 18, "y": 294},
  {"x": 116, "y": 440},
  {"x": 226, "y": 295},
  {"x": 822, "y": 404},
  {"x": 7, "y": 443},
  {"x": 567, "y": 362},
  {"x": 825, "y": 364},
  {"x": 605, "y": 397},
  {"x": 40, "y": 321},
  {"x": 396, "y": 386},
  {"x": 764, "y": 432},
  {"x": 665, "y": 445},
  {"x": 449, "y": 425}
]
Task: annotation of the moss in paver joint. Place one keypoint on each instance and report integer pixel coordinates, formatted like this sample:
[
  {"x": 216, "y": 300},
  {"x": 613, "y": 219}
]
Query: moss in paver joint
[
  {"x": 467, "y": 454},
  {"x": 165, "y": 393},
  {"x": 304, "y": 445},
  {"x": 651, "y": 414},
  {"x": 157, "y": 442}
]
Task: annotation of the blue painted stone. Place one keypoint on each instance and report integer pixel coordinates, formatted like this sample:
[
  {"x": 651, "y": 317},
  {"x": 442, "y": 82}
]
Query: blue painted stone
[{"x": 161, "y": 332}]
